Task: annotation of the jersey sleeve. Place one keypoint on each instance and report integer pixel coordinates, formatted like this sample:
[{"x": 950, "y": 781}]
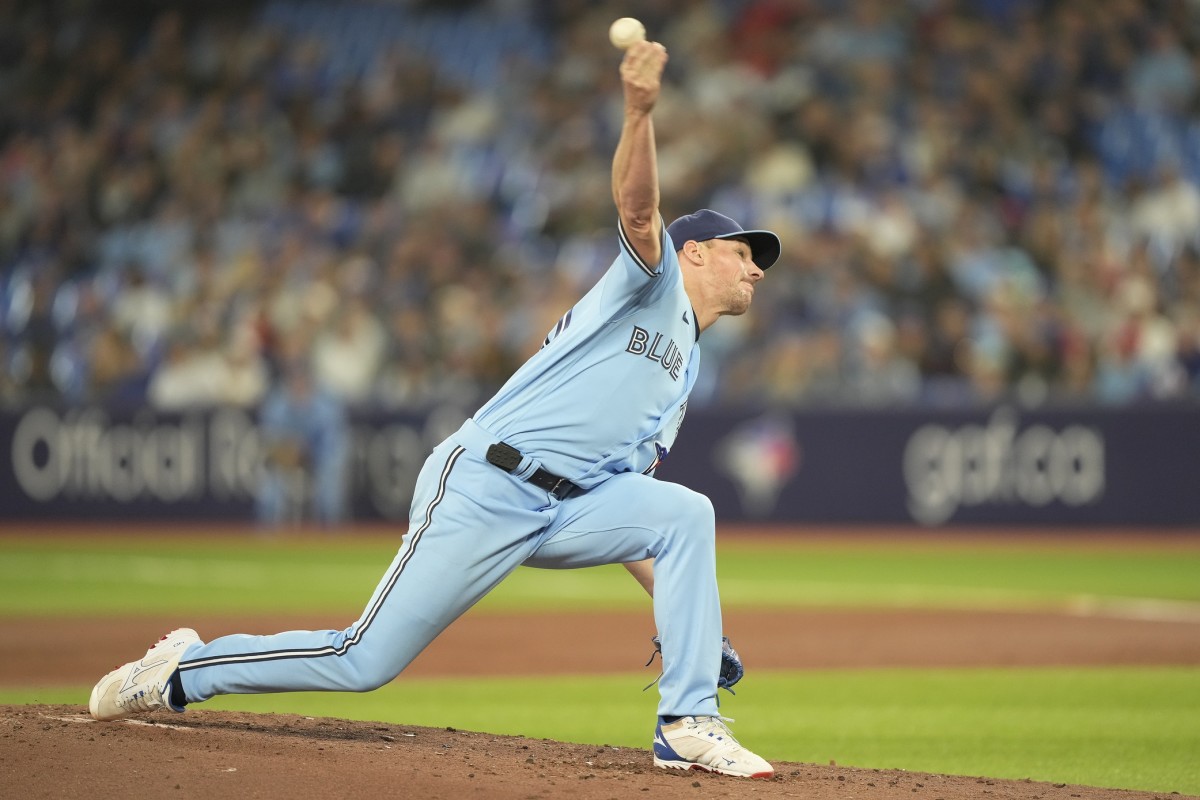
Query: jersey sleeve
[
  {"x": 635, "y": 262},
  {"x": 631, "y": 275}
]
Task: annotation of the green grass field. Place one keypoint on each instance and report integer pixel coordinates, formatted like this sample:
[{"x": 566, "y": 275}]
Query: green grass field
[
  {"x": 62, "y": 575},
  {"x": 1135, "y": 728}
]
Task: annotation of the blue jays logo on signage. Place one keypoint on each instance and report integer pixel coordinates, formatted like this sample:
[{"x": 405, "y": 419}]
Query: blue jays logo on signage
[{"x": 760, "y": 456}]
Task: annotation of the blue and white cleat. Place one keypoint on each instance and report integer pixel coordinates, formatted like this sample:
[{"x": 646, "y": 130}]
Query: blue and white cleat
[
  {"x": 142, "y": 685},
  {"x": 705, "y": 743}
]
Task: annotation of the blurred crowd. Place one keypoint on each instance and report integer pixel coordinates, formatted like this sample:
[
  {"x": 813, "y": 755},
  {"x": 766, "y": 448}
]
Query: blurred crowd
[{"x": 981, "y": 201}]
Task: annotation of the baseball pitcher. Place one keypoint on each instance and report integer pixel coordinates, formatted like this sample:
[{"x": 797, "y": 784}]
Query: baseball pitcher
[{"x": 555, "y": 471}]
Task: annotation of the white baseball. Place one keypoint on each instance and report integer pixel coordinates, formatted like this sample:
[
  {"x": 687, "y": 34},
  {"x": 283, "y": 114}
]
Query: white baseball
[{"x": 626, "y": 32}]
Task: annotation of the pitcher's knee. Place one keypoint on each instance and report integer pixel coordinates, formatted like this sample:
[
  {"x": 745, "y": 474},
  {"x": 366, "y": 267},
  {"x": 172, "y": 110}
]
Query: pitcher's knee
[
  {"x": 704, "y": 515},
  {"x": 368, "y": 680},
  {"x": 363, "y": 671},
  {"x": 694, "y": 514}
]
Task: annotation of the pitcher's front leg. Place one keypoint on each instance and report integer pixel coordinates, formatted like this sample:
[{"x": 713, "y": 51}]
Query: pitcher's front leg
[{"x": 632, "y": 517}]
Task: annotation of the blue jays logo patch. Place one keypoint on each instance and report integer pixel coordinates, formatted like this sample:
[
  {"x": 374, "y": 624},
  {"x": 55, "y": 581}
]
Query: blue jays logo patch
[{"x": 660, "y": 453}]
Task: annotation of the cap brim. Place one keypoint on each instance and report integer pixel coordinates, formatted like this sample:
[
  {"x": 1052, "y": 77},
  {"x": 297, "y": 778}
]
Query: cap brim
[{"x": 764, "y": 246}]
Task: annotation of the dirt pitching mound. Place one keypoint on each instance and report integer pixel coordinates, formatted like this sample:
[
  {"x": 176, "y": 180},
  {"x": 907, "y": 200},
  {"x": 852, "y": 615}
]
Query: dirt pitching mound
[{"x": 58, "y": 751}]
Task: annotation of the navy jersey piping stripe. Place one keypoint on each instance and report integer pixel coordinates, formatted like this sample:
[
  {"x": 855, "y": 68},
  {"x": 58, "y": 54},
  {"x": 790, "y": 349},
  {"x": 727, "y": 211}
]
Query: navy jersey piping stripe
[
  {"x": 564, "y": 322},
  {"x": 279, "y": 655},
  {"x": 633, "y": 253}
]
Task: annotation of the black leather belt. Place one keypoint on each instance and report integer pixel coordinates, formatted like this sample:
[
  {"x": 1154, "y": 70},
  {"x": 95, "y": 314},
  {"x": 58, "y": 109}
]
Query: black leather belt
[{"x": 508, "y": 458}]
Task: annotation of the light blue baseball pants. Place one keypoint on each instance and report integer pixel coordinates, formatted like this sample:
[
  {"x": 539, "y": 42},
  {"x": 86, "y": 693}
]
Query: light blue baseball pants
[{"x": 471, "y": 525}]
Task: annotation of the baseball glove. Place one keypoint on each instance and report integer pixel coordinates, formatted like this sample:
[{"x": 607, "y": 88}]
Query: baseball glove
[{"x": 731, "y": 665}]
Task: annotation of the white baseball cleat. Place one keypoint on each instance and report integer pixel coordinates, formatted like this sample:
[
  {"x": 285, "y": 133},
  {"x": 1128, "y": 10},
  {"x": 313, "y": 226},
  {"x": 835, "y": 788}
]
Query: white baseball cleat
[
  {"x": 141, "y": 686},
  {"x": 705, "y": 743}
]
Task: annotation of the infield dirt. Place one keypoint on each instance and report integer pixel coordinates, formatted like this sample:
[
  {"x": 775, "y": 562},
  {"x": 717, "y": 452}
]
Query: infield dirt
[{"x": 56, "y": 751}]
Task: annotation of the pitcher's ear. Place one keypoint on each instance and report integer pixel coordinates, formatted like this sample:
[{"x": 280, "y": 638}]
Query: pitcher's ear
[{"x": 693, "y": 251}]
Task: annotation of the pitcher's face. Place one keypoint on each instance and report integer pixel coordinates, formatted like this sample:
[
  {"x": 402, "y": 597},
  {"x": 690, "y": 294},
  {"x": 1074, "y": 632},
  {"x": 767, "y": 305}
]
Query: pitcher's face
[{"x": 733, "y": 274}]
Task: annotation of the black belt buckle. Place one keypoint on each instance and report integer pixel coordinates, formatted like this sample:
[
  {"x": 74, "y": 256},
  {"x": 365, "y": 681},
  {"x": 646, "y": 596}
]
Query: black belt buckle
[
  {"x": 563, "y": 488},
  {"x": 559, "y": 487},
  {"x": 504, "y": 456}
]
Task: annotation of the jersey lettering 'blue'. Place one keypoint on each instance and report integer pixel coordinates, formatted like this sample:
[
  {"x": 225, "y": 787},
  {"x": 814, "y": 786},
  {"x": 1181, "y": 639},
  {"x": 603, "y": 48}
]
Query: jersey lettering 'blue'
[
  {"x": 609, "y": 386},
  {"x": 670, "y": 359}
]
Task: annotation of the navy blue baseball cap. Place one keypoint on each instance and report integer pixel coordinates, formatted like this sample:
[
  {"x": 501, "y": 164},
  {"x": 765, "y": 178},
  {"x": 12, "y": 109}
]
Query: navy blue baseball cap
[{"x": 707, "y": 224}]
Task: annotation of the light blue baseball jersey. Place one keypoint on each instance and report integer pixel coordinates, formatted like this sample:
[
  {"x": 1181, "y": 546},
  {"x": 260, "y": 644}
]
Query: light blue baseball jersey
[
  {"x": 599, "y": 404},
  {"x": 607, "y": 392}
]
